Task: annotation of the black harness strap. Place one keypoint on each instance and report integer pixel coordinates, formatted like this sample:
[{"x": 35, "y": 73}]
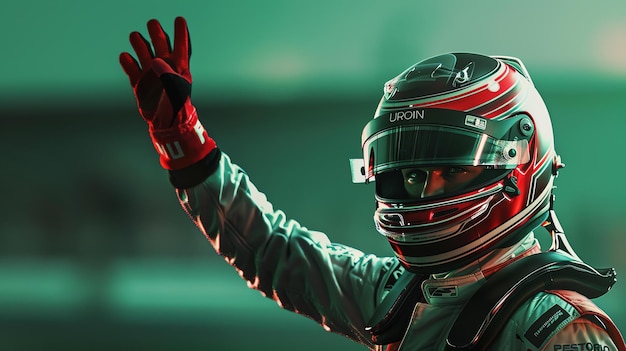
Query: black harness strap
[
  {"x": 488, "y": 310},
  {"x": 393, "y": 315}
]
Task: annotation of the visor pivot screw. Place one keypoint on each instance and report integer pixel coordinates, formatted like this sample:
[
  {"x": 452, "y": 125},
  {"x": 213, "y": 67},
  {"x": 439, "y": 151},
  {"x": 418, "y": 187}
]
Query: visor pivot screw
[
  {"x": 526, "y": 126},
  {"x": 512, "y": 153}
]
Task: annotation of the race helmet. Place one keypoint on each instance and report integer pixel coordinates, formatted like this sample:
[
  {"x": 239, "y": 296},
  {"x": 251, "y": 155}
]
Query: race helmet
[{"x": 447, "y": 112}]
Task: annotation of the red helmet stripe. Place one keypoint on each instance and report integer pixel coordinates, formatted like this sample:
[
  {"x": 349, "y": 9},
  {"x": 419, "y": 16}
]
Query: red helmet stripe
[{"x": 481, "y": 96}]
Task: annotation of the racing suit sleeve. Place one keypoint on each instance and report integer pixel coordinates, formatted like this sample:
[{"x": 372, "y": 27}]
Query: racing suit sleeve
[
  {"x": 581, "y": 334},
  {"x": 300, "y": 269},
  {"x": 563, "y": 320}
]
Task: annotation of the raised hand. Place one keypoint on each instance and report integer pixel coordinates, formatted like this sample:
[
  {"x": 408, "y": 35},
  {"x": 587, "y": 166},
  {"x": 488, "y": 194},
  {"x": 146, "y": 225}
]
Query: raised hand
[{"x": 161, "y": 81}]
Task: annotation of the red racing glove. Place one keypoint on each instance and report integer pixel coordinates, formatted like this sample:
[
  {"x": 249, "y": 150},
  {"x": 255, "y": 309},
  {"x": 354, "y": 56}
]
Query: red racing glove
[{"x": 161, "y": 82}]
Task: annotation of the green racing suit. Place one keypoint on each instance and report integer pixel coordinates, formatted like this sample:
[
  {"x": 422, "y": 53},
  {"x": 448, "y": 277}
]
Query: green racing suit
[{"x": 341, "y": 287}]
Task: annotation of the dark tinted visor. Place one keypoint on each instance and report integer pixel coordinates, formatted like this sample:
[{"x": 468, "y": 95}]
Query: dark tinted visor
[
  {"x": 392, "y": 185},
  {"x": 431, "y": 145}
]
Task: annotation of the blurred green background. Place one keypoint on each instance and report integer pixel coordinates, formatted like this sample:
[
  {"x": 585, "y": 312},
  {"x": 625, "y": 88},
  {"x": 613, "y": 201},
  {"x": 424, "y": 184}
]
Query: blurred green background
[{"x": 95, "y": 253}]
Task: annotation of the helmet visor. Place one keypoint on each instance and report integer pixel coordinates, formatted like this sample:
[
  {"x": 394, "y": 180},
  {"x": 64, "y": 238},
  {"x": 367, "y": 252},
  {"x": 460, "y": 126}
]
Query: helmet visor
[{"x": 435, "y": 145}]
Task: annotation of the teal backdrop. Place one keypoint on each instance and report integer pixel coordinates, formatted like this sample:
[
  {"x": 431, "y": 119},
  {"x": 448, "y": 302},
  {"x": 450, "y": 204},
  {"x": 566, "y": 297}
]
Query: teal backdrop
[{"x": 95, "y": 252}]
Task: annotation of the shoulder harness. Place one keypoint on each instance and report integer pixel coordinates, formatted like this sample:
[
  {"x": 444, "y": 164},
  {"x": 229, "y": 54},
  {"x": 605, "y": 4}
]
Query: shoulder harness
[{"x": 488, "y": 310}]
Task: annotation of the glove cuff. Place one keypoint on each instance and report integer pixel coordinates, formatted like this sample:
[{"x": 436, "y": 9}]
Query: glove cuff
[{"x": 184, "y": 144}]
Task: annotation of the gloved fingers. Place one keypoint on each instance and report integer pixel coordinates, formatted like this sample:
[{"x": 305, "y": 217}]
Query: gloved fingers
[
  {"x": 161, "y": 67},
  {"x": 160, "y": 39},
  {"x": 178, "y": 88},
  {"x": 130, "y": 67},
  {"x": 142, "y": 49},
  {"x": 182, "y": 44}
]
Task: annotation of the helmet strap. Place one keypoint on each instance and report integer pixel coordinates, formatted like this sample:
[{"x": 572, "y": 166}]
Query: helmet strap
[{"x": 552, "y": 224}]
